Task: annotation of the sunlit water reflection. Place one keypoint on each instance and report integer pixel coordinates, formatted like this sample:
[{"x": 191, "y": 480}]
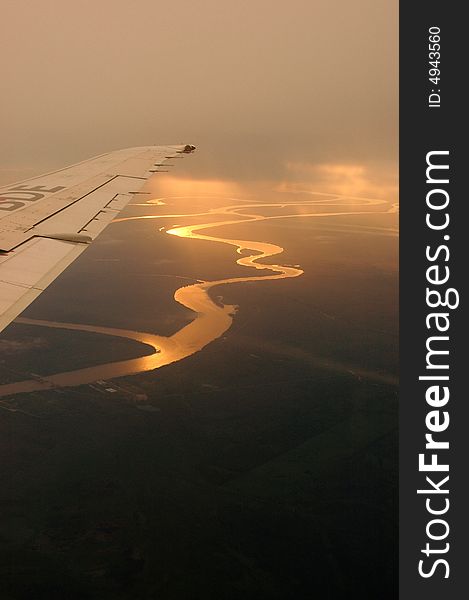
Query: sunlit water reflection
[{"x": 211, "y": 319}]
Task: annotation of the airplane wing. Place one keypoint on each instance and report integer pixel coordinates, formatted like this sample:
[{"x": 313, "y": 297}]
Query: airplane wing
[{"x": 46, "y": 222}]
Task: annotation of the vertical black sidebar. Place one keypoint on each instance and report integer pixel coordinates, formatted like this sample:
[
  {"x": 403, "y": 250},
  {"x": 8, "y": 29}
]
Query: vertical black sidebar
[{"x": 434, "y": 403}]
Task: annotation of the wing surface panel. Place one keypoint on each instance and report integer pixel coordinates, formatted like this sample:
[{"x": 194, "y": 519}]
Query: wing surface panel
[{"x": 46, "y": 222}]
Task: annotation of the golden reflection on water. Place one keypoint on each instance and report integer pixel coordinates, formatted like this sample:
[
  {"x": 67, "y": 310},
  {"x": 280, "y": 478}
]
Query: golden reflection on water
[{"x": 211, "y": 319}]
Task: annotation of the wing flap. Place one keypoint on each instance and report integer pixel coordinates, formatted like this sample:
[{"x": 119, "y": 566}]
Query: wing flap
[{"x": 27, "y": 272}]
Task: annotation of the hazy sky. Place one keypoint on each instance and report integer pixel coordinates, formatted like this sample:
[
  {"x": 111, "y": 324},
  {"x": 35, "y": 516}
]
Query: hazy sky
[{"x": 257, "y": 84}]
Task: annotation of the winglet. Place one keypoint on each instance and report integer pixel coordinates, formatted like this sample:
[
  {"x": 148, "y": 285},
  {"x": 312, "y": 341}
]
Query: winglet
[{"x": 188, "y": 149}]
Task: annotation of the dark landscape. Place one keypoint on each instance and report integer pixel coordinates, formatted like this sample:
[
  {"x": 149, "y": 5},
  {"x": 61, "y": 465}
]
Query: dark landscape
[{"x": 263, "y": 466}]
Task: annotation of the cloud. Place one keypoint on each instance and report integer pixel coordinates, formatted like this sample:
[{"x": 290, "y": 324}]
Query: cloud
[{"x": 354, "y": 180}]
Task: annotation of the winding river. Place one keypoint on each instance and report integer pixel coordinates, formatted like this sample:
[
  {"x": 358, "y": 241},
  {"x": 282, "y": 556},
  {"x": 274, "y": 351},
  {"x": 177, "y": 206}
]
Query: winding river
[{"x": 211, "y": 319}]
